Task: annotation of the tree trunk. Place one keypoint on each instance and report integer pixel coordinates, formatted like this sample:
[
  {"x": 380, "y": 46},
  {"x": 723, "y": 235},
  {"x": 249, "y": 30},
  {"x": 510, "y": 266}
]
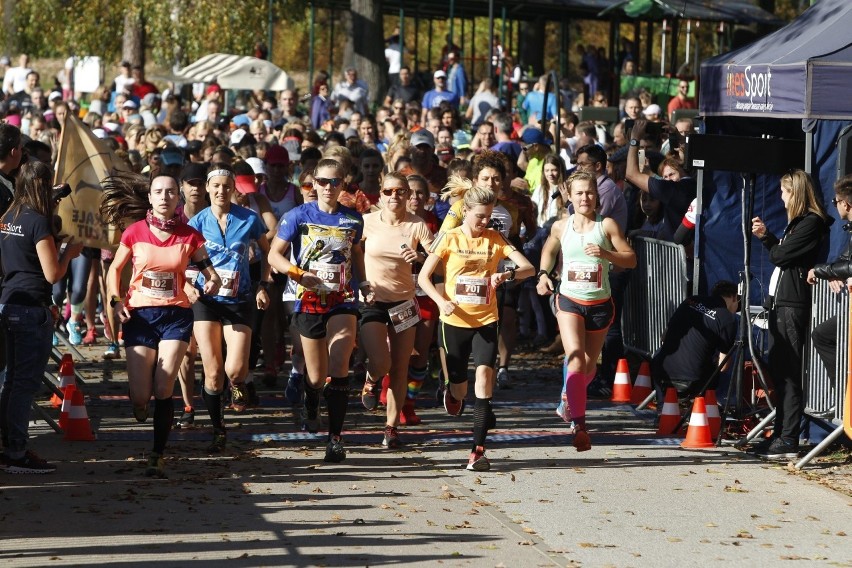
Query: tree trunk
[
  {"x": 11, "y": 44},
  {"x": 368, "y": 51},
  {"x": 133, "y": 43},
  {"x": 532, "y": 46}
]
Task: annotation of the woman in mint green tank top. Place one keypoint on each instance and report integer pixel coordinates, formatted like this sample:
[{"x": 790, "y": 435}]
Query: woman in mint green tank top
[{"x": 589, "y": 244}]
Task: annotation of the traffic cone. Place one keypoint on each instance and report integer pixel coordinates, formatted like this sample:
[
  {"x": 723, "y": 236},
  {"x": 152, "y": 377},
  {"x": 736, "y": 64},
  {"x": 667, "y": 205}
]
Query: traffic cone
[
  {"x": 621, "y": 386},
  {"x": 670, "y": 416},
  {"x": 66, "y": 378},
  {"x": 698, "y": 434},
  {"x": 66, "y": 406},
  {"x": 713, "y": 416},
  {"x": 79, "y": 429},
  {"x": 642, "y": 387}
]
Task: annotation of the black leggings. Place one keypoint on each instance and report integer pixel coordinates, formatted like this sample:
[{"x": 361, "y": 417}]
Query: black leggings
[{"x": 459, "y": 342}]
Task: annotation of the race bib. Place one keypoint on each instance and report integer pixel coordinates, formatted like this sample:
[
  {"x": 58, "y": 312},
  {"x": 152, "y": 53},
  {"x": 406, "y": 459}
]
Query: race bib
[
  {"x": 191, "y": 274},
  {"x": 230, "y": 283},
  {"x": 404, "y": 315},
  {"x": 159, "y": 285},
  {"x": 583, "y": 275},
  {"x": 471, "y": 290},
  {"x": 333, "y": 276}
]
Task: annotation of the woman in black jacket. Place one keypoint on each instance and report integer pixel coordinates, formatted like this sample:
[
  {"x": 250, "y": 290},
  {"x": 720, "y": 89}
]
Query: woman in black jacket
[{"x": 790, "y": 297}]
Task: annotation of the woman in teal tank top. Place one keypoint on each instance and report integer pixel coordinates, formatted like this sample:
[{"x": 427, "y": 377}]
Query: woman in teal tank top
[{"x": 589, "y": 244}]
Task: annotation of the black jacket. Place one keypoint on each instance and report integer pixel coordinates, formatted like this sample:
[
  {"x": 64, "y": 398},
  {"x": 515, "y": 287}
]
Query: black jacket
[
  {"x": 840, "y": 269},
  {"x": 795, "y": 254}
]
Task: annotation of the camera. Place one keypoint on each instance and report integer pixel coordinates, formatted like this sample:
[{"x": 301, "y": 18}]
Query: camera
[{"x": 61, "y": 191}]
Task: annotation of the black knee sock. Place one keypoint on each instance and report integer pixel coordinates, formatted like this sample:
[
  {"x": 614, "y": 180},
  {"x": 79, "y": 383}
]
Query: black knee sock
[
  {"x": 482, "y": 419},
  {"x": 337, "y": 398},
  {"x": 164, "y": 415},
  {"x": 214, "y": 408},
  {"x": 312, "y": 399}
]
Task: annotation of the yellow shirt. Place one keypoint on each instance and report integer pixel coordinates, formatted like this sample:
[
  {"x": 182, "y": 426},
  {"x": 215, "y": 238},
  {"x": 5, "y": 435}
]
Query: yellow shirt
[
  {"x": 468, "y": 266},
  {"x": 391, "y": 277}
]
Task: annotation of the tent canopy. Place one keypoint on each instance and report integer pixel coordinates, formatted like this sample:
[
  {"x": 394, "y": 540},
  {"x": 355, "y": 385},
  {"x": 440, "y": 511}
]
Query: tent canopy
[
  {"x": 739, "y": 11},
  {"x": 803, "y": 70},
  {"x": 236, "y": 72}
]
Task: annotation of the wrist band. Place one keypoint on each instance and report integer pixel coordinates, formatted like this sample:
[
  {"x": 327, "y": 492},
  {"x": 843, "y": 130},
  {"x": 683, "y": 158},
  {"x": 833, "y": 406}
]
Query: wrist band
[
  {"x": 511, "y": 277},
  {"x": 295, "y": 273},
  {"x": 113, "y": 301},
  {"x": 203, "y": 263},
  {"x": 540, "y": 272},
  {"x": 263, "y": 285}
]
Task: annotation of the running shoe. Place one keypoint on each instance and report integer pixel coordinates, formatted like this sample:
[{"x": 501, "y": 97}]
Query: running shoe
[
  {"x": 781, "y": 449},
  {"x": 156, "y": 466},
  {"x": 219, "y": 442},
  {"x": 239, "y": 397},
  {"x": 582, "y": 441},
  {"x": 295, "y": 391},
  {"x": 407, "y": 416},
  {"x": 29, "y": 463},
  {"x": 140, "y": 413},
  {"x": 451, "y": 405},
  {"x": 503, "y": 380},
  {"x": 370, "y": 395},
  {"x": 91, "y": 337},
  {"x": 310, "y": 425},
  {"x": 252, "y": 399},
  {"x": 391, "y": 439},
  {"x": 75, "y": 336},
  {"x": 55, "y": 340},
  {"x": 477, "y": 460},
  {"x": 335, "y": 452},
  {"x": 187, "y": 419},
  {"x": 112, "y": 352}
]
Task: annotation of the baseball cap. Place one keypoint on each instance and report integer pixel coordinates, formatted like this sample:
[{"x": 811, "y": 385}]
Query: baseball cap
[
  {"x": 439, "y": 74},
  {"x": 194, "y": 172},
  {"x": 257, "y": 166},
  {"x": 277, "y": 154},
  {"x": 172, "y": 156},
  {"x": 244, "y": 178},
  {"x": 213, "y": 88},
  {"x": 619, "y": 155},
  {"x": 130, "y": 103},
  {"x": 241, "y": 120},
  {"x": 422, "y": 136},
  {"x": 652, "y": 109},
  {"x": 237, "y": 137},
  {"x": 534, "y": 136}
]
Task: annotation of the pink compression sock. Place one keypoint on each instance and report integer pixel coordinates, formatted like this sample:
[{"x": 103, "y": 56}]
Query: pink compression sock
[{"x": 575, "y": 391}]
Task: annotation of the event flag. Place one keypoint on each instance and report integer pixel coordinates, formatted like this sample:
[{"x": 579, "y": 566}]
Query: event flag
[{"x": 83, "y": 161}]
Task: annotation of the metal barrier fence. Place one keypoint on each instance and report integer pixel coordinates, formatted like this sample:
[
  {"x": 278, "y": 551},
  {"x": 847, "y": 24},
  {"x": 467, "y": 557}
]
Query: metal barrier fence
[
  {"x": 656, "y": 288},
  {"x": 820, "y": 396}
]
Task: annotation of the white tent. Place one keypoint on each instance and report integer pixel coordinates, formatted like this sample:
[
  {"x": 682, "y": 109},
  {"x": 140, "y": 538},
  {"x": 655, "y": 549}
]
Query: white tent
[{"x": 236, "y": 72}]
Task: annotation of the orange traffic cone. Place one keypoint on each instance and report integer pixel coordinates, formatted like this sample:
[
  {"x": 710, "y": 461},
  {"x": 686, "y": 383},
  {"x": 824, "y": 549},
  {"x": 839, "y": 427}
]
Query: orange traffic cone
[
  {"x": 642, "y": 387},
  {"x": 79, "y": 429},
  {"x": 670, "y": 417},
  {"x": 713, "y": 416},
  {"x": 66, "y": 406},
  {"x": 698, "y": 434},
  {"x": 621, "y": 386},
  {"x": 66, "y": 378}
]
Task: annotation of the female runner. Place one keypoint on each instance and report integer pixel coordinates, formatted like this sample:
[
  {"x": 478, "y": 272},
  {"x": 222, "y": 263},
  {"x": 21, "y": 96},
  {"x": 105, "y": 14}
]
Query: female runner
[
  {"x": 326, "y": 237},
  {"x": 226, "y": 314},
  {"x": 470, "y": 255},
  {"x": 155, "y": 314},
  {"x": 391, "y": 240},
  {"x": 589, "y": 243}
]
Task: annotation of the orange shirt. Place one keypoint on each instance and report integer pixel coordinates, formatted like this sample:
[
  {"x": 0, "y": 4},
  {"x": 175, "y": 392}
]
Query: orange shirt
[{"x": 391, "y": 277}]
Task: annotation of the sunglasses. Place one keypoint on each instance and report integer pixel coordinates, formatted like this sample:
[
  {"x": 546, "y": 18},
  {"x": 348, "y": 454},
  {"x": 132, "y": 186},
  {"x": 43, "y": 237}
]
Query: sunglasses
[
  {"x": 307, "y": 186},
  {"x": 835, "y": 201},
  {"x": 394, "y": 190},
  {"x": 322, "y": 182}
]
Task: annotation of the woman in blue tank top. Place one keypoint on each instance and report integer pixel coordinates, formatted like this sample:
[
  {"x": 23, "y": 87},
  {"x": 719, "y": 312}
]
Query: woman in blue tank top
[{"x": 589, "y": 244}]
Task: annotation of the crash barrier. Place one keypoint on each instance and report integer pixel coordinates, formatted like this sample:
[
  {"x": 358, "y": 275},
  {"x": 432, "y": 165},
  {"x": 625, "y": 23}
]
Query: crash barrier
[
  {"x": 657, "y": 286},
  {"x": 821, "y": 398}
]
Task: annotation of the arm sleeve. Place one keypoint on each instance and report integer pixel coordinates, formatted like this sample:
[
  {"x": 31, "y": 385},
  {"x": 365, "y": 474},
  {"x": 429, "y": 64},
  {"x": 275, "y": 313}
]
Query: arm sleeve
[
  {"x": 804, "y": 240},
  {"x": 840, "y": 270}
]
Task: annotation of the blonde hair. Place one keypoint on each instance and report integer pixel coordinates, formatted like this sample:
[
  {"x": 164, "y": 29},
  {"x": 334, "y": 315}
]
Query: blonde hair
[
  {"x": 457, "y": 186},
  {"x": 802, "y": 198},
  {"x": 342, "y": 156},
  {"x": 587, "y": 177},
  {"x": 479, "y": 196}
]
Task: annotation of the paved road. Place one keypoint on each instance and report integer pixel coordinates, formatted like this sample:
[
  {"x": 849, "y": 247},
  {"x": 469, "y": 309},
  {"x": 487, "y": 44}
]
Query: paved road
[{"x": 633, "y": 500}]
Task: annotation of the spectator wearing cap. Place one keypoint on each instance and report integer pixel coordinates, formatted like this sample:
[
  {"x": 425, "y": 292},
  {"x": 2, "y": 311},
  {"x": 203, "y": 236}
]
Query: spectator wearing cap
[
  {"x": 353, "y": 90},
  {"x": 193, "y": 178},
  {"x": 128, "y": 109},
  {"x": 653, "y": 113},
  {"x": 534, "y": 148},
  {"x": 424, "y": 162},
  {"x": 171, "y": 161},
  {"x": 282, "y": 194},
  {"x": 141, "y": 86},
  {"x": 15, "y": 79},
  {"x": 434, "y": 98},
  {"x": 208, "y": 107}
]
